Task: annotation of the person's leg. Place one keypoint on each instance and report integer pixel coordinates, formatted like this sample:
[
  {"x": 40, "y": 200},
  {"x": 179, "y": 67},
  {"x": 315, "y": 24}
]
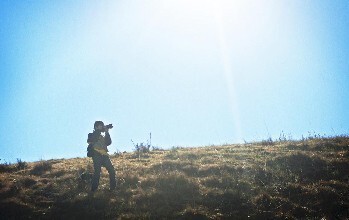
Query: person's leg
[
  {"x": 97, "y": 164},
  {"x": 112, "y": 176}
]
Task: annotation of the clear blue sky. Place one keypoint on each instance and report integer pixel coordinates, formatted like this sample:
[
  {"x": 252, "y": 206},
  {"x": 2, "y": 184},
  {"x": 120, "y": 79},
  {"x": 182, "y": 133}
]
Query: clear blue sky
[{"x": 192, "y": 72}]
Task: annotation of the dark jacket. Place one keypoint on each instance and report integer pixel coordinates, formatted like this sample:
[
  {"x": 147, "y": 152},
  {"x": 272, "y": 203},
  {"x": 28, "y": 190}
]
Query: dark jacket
[{"x": 93, "y": 138}]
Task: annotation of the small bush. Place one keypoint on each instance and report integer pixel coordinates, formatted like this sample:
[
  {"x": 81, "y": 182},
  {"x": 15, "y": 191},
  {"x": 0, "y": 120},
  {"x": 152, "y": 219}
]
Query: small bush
[
  {"x": 84, "y": 179},
  {"x": 129, "y": 181},
  {"x": 84, "y": 175},
  {"x": 21, "y": 165},
  {"x": 7, "y": 167},
  {"x": 28, "y": 182},
  {"x": 267, "y": 142},
  {"x": 172, "y": 154},
  {"x": 156, "y": 148},
  {"x": 307, "y": 168},
  {"x": 41, "y": 168},
  {"x": 140, "y": 148}
]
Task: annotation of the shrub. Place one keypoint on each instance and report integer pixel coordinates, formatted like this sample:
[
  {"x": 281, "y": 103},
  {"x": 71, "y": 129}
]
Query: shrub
[
  {"x": 267, "y": 142},
  {"x": 7, "y": 167},
  {"x": 308, "y": 168},
  {"x": 41, "y": 168},
  {"x": 156, "y": 148},
  {"x": 28, "y": 182},
  {"x": 140, "y": 148},
  {"x": 21, "y": 165},
  {"x": 129, "y": 181},
  {"x": 173, "y": 153}
]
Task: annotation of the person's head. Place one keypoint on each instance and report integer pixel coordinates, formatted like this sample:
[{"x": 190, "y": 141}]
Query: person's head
[{"x": 99, "y": 126}]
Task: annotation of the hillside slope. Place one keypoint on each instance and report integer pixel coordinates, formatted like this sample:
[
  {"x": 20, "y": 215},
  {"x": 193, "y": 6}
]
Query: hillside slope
[{"x": 276, "y": 180}]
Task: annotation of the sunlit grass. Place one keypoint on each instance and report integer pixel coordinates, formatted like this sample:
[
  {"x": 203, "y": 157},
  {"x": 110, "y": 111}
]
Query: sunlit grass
[{"x": 282, "y": 179}]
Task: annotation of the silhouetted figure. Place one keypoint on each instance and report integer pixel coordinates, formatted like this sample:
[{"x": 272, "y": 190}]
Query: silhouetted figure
[{"x": 98, "y": 150}]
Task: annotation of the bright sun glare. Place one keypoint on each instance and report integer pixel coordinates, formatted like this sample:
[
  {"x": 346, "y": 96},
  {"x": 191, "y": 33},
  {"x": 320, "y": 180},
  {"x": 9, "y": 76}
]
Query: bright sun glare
[
  {"x": 231, "y": 26},
  {"x": 225, "y": 17},
  {"x": 217, "y": 16}
]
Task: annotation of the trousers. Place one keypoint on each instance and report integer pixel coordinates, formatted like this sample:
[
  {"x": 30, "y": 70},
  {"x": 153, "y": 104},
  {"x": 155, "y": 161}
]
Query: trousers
[{"x": 98, "y": 162}]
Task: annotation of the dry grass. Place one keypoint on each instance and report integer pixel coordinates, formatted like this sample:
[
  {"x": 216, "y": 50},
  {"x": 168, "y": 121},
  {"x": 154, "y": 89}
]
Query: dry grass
[{"x": 264, "y": 180}]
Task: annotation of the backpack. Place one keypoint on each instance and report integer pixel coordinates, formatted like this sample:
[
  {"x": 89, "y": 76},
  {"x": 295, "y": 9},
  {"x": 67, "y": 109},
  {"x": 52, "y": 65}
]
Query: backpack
[
  {"x": 91, "y": 138},
  {"x": 90, "y": 150}
]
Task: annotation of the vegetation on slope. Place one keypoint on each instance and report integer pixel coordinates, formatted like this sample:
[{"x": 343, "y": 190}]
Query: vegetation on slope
[{"x": 276, "y": 180}]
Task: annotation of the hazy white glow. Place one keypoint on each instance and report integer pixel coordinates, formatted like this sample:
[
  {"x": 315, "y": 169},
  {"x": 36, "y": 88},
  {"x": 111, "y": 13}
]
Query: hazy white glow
[
  {"x": 183, "y": 26},
  {"x": 236, "y": 26},
  {"x": 235, "y": 33},
  {"x": 227, "y": 69}
]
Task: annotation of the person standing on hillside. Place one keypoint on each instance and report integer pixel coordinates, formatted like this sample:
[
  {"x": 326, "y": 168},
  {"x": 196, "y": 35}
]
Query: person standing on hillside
[{"x": 97, "y": 149}]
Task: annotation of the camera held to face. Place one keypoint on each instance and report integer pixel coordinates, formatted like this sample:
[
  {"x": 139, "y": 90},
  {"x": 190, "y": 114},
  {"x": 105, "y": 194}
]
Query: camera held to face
[{"x": 109, "y": 126}]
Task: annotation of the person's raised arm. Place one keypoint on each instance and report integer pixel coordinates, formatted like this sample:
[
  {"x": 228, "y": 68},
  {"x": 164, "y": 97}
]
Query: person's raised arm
[{"x": 107, "y": 138}]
